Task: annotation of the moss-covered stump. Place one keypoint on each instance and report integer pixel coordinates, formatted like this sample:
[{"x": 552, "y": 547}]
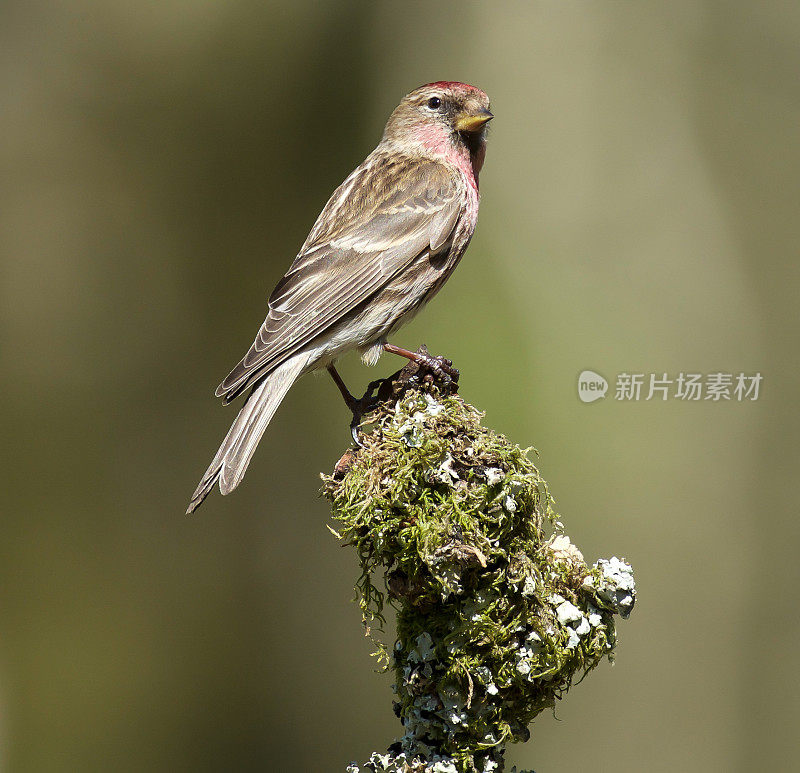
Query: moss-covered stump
[{"x": 497, "y": 611}]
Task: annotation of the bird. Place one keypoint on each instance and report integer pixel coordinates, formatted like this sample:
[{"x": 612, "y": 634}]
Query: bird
[{"x": 387, "y": 240}]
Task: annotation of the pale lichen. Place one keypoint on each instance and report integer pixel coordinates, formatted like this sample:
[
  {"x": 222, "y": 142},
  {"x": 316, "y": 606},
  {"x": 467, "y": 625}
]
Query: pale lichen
[{"x": 497, "y": 611}]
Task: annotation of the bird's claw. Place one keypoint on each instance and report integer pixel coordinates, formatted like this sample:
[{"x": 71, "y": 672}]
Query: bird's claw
[
  {"x": 354, "y": 425},
  {"x": 361, "y": 407}
]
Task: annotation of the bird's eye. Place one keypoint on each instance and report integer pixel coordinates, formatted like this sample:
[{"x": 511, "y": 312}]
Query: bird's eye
[{"x": 434, "y": 103}]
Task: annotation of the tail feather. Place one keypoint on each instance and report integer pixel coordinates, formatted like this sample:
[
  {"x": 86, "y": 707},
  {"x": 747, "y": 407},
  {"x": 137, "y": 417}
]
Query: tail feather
[{"x": 233, "y": 457}]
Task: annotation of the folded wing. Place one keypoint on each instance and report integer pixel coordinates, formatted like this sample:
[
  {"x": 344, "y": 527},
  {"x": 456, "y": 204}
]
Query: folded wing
[{"x": 383, "y": 217}]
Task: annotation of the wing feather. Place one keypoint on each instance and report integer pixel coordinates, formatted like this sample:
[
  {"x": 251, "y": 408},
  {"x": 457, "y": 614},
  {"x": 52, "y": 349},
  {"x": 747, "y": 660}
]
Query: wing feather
[{"x": 384, "y": 216}]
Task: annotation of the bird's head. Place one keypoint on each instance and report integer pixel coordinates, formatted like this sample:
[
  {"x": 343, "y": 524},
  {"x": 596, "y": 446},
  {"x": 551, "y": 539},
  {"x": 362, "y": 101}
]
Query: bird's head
[{"x": 442, "y": 117}]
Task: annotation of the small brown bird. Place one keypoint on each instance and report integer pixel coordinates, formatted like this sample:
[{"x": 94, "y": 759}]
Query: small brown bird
[{"x": 385, "y": 243}]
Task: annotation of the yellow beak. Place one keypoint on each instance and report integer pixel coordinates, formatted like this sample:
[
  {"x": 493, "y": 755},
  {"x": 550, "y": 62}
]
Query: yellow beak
[{"x": 471, "y": 122}]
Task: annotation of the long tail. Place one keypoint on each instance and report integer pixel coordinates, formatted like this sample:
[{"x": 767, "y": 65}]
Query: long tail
[{"x": 233, "y": 457}]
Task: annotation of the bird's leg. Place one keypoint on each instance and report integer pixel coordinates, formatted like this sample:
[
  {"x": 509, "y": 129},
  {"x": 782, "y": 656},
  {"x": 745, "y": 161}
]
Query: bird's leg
[
  {"x": 440, "y": 367},
  {"x": 357, "y": 407},
  {"x": 349, "y": 400}
]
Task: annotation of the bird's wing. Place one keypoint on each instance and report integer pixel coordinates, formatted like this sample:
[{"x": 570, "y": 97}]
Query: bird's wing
[{"x": 382, "y": 217}]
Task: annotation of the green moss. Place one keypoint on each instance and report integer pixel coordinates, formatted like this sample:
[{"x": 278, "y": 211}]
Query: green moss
[{"x": 496, "y": 611}]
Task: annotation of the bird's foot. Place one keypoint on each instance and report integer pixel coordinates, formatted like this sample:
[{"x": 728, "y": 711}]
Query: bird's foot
[
  {"x": 439, "y": 368},
  {"x": 363, "y": 405},
  {"x": 424, "y": 367}
]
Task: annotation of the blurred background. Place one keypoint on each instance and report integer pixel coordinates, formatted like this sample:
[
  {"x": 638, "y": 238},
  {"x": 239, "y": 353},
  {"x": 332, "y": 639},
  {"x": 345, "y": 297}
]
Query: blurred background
[{"x": 160, "y": 165}]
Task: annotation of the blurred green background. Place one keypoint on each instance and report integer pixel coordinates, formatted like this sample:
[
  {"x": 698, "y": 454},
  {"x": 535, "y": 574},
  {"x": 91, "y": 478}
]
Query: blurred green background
[{"x": 160, "y": 164}]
